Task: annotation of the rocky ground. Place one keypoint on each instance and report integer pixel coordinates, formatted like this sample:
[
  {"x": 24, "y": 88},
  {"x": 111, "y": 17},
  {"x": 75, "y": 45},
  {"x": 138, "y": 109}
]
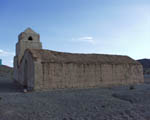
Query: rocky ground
[{"x": 117, "y": 103}]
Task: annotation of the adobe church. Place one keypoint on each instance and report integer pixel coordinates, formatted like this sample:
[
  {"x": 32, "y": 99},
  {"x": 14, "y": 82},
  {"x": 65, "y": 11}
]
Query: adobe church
[{"x": 39, "y": 69}]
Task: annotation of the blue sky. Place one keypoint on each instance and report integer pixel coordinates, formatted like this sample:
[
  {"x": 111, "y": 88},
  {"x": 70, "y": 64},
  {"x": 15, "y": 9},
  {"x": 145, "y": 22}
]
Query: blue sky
[{"x": 79, "y": 26}]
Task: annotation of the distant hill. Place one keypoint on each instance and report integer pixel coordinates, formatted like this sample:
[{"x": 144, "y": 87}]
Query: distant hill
[
  {"x": 6, "y": 71},
  {"x": 146, "y": 65}
]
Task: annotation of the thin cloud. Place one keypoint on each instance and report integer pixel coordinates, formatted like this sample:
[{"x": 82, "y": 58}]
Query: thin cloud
[
  {"x": 5, "y": 53},
  {"x": 7, "y": 57},
  {"x": 87, "y": 39}
]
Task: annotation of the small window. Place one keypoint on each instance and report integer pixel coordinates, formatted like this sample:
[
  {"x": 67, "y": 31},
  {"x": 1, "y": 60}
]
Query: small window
[{"x": 30, "y": 38}]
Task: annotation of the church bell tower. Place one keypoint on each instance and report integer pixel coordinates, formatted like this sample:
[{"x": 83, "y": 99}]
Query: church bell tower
[{"x": 26, "y": 40}]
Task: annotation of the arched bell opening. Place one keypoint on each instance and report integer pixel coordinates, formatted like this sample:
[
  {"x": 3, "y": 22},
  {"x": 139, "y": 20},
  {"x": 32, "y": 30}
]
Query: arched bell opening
[{"x": 30, "y": 38}]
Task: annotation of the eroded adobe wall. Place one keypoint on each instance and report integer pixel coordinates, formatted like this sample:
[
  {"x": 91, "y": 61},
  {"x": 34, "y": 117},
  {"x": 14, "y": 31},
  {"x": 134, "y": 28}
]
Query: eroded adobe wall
[
  {"x": 71, "y": 75},
  {"x": 15, "y": 70},
  {"x": 26, "y": 71},
  {"x": 21, "y": 46}
]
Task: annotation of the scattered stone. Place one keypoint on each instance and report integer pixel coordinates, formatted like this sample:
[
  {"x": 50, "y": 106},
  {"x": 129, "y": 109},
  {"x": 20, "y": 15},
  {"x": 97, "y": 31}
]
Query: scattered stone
[
  {"x": 103, "y": 106},
  {"x": 132, "y": 87},
  {"x": 64, "y": 118},
  {"x": 25, "y": 91}
]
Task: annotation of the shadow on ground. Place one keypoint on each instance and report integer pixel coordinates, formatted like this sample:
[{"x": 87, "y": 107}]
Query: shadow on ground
[{"x": 7, "y": 85}]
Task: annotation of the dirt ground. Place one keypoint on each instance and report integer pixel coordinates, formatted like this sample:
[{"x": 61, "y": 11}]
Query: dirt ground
[{"x": 117, "y": 103}]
